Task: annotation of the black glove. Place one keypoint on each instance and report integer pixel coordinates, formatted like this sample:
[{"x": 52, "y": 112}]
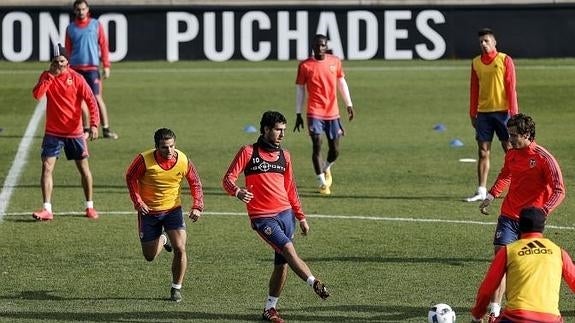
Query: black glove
[{"x": 298, "y": 122}]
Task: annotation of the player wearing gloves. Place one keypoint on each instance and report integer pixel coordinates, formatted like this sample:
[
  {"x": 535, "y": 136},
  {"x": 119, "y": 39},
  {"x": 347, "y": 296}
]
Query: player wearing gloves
[{"x": 322, "y": 75}]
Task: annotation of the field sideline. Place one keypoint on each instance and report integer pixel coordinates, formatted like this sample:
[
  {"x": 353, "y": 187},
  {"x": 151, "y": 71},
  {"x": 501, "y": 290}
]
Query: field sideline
[
  {"x": 393, "y": 238},
  {"x": 323, "y": 216}
]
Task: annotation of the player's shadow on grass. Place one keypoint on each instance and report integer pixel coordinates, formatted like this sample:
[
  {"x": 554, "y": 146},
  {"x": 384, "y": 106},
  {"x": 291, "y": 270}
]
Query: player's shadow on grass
[
  {"x": 122, "y": 189},
  {"x": 400, "y": 260},
  {"x": 30, "y": 219},
  {"x": 345, "y": 313},
  {"x": 38, "y": 295},
  {"x": 19, "y": 137},
  {"x": 159, "y": 316},
  {"x": 358, "y": 313},
  {"x": 335, "y": 195},
  {"x": 46, "y": 295},
  {"x": 323, "y": 313},
  {"x": 366, "y": 314}
]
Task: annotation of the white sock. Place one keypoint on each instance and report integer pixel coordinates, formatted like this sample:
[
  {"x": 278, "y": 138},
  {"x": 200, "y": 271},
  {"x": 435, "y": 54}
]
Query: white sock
[
  {"x": 271, "y": 302},
  {"x": 482, "y": 190},
  {"x": 495, "y": 308},
  {"x": 47, "y": 206},
  {"x": 89, "y": 204},
  {"x": 163, "y": 237},
  {"x": 328, "y": 166},
  {"x": 176, "y": 286},
  {"x": 321, "y": 179},
  {"x": 310, "y": 280}
]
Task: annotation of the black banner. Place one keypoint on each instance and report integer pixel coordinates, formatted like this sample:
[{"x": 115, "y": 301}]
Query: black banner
[{"x": 284, "y": 33}]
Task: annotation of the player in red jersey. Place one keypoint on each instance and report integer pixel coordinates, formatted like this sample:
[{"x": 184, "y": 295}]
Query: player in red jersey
[
  {"x": 534, "y": 179},
  {"x": 273, "y": 205},
  {"x": 321, "y": 75},
  {"x": 492, "y": 100},
  {"x": 533, "y": 267},
  {"x": 64, "y": 90},
  {"x": 153, "y": 180}
]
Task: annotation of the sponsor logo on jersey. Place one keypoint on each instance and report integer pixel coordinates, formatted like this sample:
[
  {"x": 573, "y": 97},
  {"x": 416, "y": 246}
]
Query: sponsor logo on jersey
[
  {"x": 264, "y": 166},
  {"x": 534, "y": 248}
]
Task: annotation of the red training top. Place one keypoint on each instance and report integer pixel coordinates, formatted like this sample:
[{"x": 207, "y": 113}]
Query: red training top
[
  {"x": 534, "y": 179},
  {"x": 320, "y": 78},
  {"x": 274, "y": 191},
  {"x": 64, "y": 94}
]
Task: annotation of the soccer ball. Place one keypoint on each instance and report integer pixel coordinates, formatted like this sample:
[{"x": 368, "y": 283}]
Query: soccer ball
[{"x": 441, "y": 313}]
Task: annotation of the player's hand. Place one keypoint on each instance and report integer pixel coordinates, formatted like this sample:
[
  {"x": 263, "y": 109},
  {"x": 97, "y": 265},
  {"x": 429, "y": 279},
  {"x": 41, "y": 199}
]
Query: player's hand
[
  {"x": 195, "y": 214},
  {"x": 54, "y": 68},
  {"x": 106, "y": 72},
  {"x": 474, "y": 122},
  {"x": 485, "y": 204},
  {"x": 350, "y": 112},
  {"x": 93, "y": 134},
  {"x": 298, "y": 122},
  {"x": 143, "y": 209},
  {"x": 304, "y": 227},
  {"x": 245, "y": 195}
]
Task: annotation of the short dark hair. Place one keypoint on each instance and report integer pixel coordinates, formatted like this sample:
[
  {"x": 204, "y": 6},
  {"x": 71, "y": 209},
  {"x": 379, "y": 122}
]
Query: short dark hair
[
  {"x": 318, "y": 37},
  {"x": 163, "y": 134},
  {"x": 485, "y": 31},
  {"x": 77, "y": 2},
  {"x": 524, "y": 125},
  {"x": 532, "y": 219},
  {"x": 270, "y": 118}
]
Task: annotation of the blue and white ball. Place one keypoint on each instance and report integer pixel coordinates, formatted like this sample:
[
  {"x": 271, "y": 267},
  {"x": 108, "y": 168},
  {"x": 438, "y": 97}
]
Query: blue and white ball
[{"x": 441, "y": 313}]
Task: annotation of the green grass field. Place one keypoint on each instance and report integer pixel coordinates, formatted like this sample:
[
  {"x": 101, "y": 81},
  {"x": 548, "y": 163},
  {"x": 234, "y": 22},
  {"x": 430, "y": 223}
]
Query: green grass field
[{"x": 393, "y": 238}]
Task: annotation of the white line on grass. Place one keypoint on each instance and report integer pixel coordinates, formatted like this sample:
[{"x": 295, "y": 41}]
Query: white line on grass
[
  {"x": 337, "y": 217},
  {"x": 21, "y": 158},
  {"x": 414, "y": 68},
  {"x": 247, "y": 69}
]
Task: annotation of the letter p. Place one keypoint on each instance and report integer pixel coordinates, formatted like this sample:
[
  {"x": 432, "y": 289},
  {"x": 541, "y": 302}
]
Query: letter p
[{"x": 174, "y": 36}]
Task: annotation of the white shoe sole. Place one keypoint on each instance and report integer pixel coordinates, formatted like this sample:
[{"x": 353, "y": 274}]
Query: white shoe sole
[{"x": 475, "y": 198}]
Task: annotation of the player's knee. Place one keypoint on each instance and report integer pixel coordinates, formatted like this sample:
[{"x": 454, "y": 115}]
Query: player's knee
[
  {"x": 149, "y": 252},
  {"x": 179, "y": 250},
  {"x": 149, "y": 258}
]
